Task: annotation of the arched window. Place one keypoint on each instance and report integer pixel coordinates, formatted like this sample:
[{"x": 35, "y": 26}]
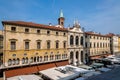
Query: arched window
[
  {"x": 56, "y": 57},
  {"x": 9, "y": 62},
  {"x": 59, "y": 56},
  {"x": 71, "y": 40},
  {"x": 45, "y": 58},
  {"x": 13, "y": 62},
  {"x": 38, "y": 59},
  {"x": 81, "y": 40},
  {"x": 26, "y": 60},
  {"x": 23, "y": 60},
  {"x": 82, "y": 55},
  {"x": 17, "y": 61},
  {"x": 31, "y": 60},
  {"x": 77, "y": 40},
  {"x": 34, "y": 59},
  {"x": 51, "y": 57}
]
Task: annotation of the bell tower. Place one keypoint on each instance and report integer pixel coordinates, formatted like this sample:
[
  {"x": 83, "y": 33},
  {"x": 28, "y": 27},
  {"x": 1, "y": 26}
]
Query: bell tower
[{"x": 61, "y": 19}]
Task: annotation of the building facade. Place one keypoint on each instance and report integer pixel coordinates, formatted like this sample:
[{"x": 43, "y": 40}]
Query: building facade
[
  {"x": 115, "y": 44},
  {"x": 76, "y": 44},
  {"x": 28, "y": 44},
  {"x": 119, "y": 44},
  {"x": 1, "y": 48},
  {"x": 96, "y": 44}
]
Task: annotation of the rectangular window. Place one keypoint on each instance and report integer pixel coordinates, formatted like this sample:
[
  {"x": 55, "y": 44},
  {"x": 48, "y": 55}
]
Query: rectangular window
[
  {"x": 13, "y": 28},
  {"x": 13, "y": 45},
  {"x": 56, "y": 33},
  {"x": 48, "y": 44},
  {"x": 64, "y": 44},
  {"x": 38, "y": 31},
  {"x": 26, "y": 45},
  {"x": 64, "y": 34},
  {"x": 26, "y": 30},
  {"x": 57, "y": 44},
  {"x": 38, "y": 45},
  {"x": 48, "y": 32}
]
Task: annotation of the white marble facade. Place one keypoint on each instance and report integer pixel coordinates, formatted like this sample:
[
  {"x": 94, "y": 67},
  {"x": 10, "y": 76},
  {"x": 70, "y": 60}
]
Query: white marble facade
[{"x": 76, "y": 41}]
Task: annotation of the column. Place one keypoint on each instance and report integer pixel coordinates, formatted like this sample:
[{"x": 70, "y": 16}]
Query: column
[
  {"x": 79, "y": 58},
  {"x": 74, "y": 58}
]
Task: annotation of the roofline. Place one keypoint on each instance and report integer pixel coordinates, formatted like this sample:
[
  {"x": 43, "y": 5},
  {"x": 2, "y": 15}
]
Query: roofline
[
  {"x": 34, "y": 25},
  {"x": 97, "y": 34}
]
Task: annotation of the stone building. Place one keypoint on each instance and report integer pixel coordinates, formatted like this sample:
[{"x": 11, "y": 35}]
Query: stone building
[
  {"x": 76, "y": 44},
  {"x": 119, "y": 44},
  {"x": 96, "y": 45},
  {"x": 27, "y": 44},
  {"x": 1, "y": 48}
]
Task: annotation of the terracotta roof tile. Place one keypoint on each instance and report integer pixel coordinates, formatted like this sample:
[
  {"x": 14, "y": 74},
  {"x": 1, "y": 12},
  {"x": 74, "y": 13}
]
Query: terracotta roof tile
[
  {"x": 96, "y": 34},
  {"x": 31, "y": 24}
]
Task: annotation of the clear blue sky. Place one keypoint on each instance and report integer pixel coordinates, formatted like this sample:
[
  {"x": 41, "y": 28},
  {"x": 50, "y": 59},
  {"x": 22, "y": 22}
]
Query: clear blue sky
[{"x": 95, "y": 15}]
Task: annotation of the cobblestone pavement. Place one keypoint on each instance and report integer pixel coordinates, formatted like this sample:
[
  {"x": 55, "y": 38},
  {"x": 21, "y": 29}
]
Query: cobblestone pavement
[{"x": 110, "y": 75}]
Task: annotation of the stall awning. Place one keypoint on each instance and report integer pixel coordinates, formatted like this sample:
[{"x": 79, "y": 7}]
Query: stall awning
[
  {"x": 33, "y": 69},
  {"x": 21, "y": 71}
]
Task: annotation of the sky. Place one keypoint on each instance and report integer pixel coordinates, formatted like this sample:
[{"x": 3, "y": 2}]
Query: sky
[{"x": 102, "y": 16}]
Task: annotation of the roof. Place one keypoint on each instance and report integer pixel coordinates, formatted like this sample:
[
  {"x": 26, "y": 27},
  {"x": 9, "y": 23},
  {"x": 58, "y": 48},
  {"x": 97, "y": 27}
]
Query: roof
[
  {"x": 25, "y": 77},
  {"x": 34, "y": 25},
  {"x": 96, "y": 34},
  {"x": 57, "y": 74}
]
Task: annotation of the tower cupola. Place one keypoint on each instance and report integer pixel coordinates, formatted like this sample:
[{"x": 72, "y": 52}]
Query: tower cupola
[{"x": 61, "y": 19}]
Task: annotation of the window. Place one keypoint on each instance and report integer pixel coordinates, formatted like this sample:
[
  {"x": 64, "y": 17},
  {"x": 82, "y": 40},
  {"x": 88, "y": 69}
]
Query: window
[
  {"x": 77, "y": 40},
  {"x": 38, "y": 59},
  {"x": 31, "y": 60},
  {"x": 86, "y": 44},
  {"x": 64, "y": 34},
  {"x": 26, "y": 30},
  {"x": 26, "y": 45},
  {"x": 26, "y": 60},
  {"x": 51, "y": 57},
  {"x": 13, "y": 45},
  {"x": 9, "y": 62},
  {"x": 38, "y": 45},
  {"x": 56, "y": 33},
  {"x": 45, "y": 58},
  {"x": 14, "y": 55},
  {"x": 97, "y": 45},
  {"x": 48, "y": 44},
  {"x": 57, "y": 44},
  {"x": 64, "y": 44},
  {"x": 90, "y": 45},
  {"x": 23, "y": 61},
  {"x": 13, "y": 61},
  {"x": 13, "y": 28},
  {"x": 94, "y": 45},
  {"x": 38, "y": 31},
  {"x": 17, "y": 61},
  {"x": 81, "y": 40},
  {"x": 71, "y": 40},
  {"x": 34, "y": 59},
  {"x": 48, "y": 32}
]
